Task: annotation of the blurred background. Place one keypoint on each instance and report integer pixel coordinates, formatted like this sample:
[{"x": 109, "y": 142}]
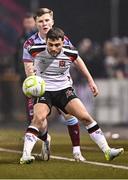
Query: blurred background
[{"x": 99, "y": 30}]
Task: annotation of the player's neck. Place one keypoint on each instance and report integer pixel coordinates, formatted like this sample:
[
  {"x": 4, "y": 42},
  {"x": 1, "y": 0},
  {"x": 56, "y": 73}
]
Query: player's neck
[{"x": 42, "y": 36}]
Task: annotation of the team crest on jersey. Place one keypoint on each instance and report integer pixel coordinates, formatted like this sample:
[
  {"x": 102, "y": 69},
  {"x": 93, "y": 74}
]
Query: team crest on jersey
[
  {"x": 69, "y": 93},
  {"x": 61, "y": 63}
]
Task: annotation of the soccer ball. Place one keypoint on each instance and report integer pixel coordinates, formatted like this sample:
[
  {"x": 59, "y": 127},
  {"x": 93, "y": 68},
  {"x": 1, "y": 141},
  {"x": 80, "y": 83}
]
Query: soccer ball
[{"x": 33, "y": 86}]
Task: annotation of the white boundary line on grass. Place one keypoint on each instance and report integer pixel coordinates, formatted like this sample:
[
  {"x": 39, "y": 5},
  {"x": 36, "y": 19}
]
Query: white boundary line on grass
[{"x": 70, "y": 159}]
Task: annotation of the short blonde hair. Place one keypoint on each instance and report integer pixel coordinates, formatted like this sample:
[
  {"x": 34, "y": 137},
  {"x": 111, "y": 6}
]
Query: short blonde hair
[{"x": 42, "y": 11}]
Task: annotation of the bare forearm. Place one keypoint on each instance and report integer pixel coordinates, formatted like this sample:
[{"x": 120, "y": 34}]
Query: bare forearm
[{"x": 29, "y": 68}]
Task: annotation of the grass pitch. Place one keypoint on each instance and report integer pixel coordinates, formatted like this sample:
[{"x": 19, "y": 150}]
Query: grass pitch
[{"x": 60, "y": 169}]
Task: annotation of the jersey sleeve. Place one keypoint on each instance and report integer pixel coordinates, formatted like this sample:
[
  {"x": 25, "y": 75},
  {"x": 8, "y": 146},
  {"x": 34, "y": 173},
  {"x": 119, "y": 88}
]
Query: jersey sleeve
[
  {"x": 26, "y": 55},
  {"x": 67, "y": 43}
]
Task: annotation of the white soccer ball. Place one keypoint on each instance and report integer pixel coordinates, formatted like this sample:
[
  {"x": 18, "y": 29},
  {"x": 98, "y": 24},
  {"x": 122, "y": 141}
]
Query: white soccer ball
[{"x": 33, "y": 86}]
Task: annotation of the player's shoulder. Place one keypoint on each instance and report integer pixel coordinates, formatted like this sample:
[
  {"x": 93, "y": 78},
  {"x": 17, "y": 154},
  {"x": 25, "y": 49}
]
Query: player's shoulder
[
  {"x": 66, "y": 38},
  {"x": 30, "y": 41},
  {"x": 33, "y": 40},
  {"x": 67, "y": 43},
  {"x": 72, "y": 53},
  {"x": 37, "y": 48}
]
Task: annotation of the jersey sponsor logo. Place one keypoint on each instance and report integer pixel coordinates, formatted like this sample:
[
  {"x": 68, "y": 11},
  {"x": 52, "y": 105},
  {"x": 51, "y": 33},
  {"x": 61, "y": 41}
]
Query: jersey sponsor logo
[
  {"x": 61, "y": 63},
  {"x": 42, "y": 98},
  {"x": 69, "y": 93}
]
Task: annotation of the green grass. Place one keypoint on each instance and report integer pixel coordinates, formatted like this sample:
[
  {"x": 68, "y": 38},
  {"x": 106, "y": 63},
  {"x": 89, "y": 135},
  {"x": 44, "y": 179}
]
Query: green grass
[{"x": 59, "y": 169}]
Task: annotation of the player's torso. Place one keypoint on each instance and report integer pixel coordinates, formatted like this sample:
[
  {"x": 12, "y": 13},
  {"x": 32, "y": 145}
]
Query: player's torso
[{"x": 55, "y": 71}]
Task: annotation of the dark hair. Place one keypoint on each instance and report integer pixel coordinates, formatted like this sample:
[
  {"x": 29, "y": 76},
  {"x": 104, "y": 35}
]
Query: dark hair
[
  {"x": 42, "y": 11},
  {"x": 55, "y": 33}
]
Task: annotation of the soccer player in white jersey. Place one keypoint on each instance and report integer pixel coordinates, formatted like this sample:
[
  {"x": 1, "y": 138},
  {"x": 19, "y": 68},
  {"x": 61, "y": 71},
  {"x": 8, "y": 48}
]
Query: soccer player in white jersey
[
  {"x": 44, "y": 22},
  {"x": 53, "y": 63}
]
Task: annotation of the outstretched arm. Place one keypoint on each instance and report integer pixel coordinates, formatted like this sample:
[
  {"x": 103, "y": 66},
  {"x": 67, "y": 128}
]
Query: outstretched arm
[{"x": 82, "y": 67}]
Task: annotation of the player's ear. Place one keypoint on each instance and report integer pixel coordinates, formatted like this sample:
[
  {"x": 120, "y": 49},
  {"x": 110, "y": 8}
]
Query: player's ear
[{"x": 52, "y": 22}]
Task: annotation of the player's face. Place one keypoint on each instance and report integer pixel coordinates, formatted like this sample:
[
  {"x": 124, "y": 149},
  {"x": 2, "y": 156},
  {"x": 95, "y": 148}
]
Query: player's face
[
  {"x": 44, "y": 23},
  {"x": 54, "y": 46}
]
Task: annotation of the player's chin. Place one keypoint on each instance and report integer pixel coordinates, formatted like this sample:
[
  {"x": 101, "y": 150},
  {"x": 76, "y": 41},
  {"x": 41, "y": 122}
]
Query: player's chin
[
  {"x": 45, "y": 30},
  {"x": 54, "y": 54}
]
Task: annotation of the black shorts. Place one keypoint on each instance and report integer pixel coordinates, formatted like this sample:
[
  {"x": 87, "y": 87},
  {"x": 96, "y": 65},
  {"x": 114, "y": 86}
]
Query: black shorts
[{"x": 58, "y": 99}]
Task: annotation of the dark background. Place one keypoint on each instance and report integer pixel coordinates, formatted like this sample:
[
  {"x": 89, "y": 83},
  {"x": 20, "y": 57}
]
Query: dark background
[
  {"x": 87, "y": 18},
  {"x": 96, "y": 19}
]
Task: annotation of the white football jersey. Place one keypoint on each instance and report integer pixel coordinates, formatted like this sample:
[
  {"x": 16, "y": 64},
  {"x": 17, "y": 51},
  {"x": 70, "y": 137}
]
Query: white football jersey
[
  {"x": 35, "y": 39},
  {"x": 54, "y": 70}
]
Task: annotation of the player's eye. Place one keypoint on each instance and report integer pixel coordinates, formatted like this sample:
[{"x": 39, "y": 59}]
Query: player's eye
[
  {"x": 46, "y": 20},
  {"x": 57, "y": 45},
  {"x": 51, "y": 45},
  {"x": 40, "y": 21}
]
